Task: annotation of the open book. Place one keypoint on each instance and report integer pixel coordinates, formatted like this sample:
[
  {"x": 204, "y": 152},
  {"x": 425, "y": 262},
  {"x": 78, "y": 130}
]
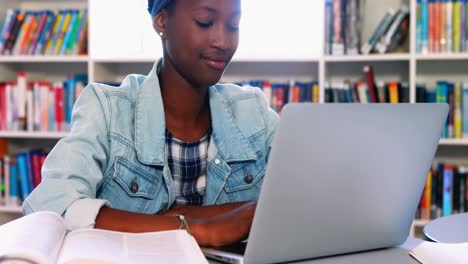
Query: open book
[
  {"x": 43, "y": 238},
  {"x": 441, "y": 253}
]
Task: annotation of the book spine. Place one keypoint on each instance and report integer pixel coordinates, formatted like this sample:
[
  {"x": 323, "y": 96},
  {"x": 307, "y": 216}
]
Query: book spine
[
  {"x": 15, "y": 192},
  {"x": 21, "y": 34},
  {"x": 61, "y": 34},
  {"x": 59, "y": 106},
  {"x": 37, "y": 106},
  {"x": 329, "y": 29},
  {"x": 424, "y": 26},
  {"x": 457, "y": 112},
  {"x": 23, "y": 175},
  {"x": 465, "y": 109},
  {"x": 451, "y": 102},
  {"x": 338, "y": 41},
  {"x": 21, "y": 90},
  {"x": 427, "y": 196},
  {"x": 44, "y": 107},
  {"x": 7, "y": 25},
  {"x": 13, "y": 36},
  {"x": 451, "y": 25},
  {"x": 46, "y": 34},
  {"x": 418, "y": 26},
  {"x": 75, "y": 32},
  {"x": 37, "y": 33},
  {"x": 316, "y": 92},
  {"x": 29, "y": 34},
  {"x": 52, "y": 109},
  {"x": 456, "y": 22},
  {"x": 29, "y": 109},
  {"x": 442, "y": 97},
  {"x": 462, "y": 25},
  {"x": 443, "y": 25},
  {"x": 370, "y": 81},
  {"x": 393, "y": 92},
  {"x": 447, "y": 190},
  {"x": 6, "y": 170},
  {"x": 68, "y": 33},
  {"x": 55, "y": 33}
]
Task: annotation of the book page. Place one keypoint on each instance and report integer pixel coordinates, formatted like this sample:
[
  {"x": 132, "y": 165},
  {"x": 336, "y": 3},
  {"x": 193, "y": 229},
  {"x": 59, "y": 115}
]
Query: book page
[
  {"x": 441, "y": 253},
  {"x": 37, "y": 236},
  {"x": 101, "y": 246}
]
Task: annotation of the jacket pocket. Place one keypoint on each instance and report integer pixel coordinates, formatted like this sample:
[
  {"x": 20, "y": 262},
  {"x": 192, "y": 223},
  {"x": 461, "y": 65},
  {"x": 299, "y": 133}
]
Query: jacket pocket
[
  {"x": 135, "y": 181},
  {"x": 245, "y": 175}
]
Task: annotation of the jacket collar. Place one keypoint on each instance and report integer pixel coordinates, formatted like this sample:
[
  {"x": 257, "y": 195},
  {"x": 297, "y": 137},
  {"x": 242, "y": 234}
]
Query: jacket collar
[{"x": 150, "y": 125}]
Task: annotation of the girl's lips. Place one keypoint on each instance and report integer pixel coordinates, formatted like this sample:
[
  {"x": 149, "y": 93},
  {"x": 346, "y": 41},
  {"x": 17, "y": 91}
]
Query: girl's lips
[{"x": 215, "y": 64}]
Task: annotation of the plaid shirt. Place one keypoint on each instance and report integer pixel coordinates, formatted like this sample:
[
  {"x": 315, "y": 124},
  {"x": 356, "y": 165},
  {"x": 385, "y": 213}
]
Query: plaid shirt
[{"x": 188, "y": 163}]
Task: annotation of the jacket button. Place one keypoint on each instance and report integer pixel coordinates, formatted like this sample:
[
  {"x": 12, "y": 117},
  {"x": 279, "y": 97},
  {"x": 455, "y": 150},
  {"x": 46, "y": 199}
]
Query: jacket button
[
  {"x": 248, "y": 178},
  {"x": 134, "y": 187}
]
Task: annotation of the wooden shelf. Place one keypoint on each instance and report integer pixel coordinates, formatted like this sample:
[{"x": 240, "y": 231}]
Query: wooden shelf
[
  {"x": 442, "y": 57},
  {"x": 420, "y": 222},
  {"x": 10, "y": 209},
  {"x": 453, "y": 142},
  {"x": 371, "y": 57},
  {"x": 44, "y": 59},
  {"x": 33, "y": 135}
]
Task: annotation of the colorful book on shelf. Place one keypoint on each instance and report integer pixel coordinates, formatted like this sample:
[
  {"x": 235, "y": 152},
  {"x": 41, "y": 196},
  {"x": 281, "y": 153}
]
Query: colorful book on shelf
[
  {"x": 370, "y": 82},
  {"x": 45, "y": 35},
  {"x": 61, "y": 32},
  {"x": 68, "y": 45},
  {"x": 7, "y": 26},
  {"x": 329, "y": 29},
  {"x": 379, "y": 31},
  {"x": 36, "y": 34},
  {"x": 43, "y": 238},
  {"x": 465, "y": 108},
  {"x": 13, "y": 34},
  {"x": 49, "y": 46},
  {"x": 396, "y": 33},
  {"x": 445, "y": 192}
]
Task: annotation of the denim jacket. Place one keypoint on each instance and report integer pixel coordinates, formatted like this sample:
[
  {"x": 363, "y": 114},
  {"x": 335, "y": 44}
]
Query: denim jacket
[{"x": 115, "y": 153}]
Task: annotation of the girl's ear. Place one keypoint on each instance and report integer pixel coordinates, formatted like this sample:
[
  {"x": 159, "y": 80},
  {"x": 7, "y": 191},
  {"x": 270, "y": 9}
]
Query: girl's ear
[{"x": 159, "y": 23}]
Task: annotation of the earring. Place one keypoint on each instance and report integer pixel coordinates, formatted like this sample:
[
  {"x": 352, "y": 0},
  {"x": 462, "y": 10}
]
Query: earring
[{"x": 161, "y": 34}]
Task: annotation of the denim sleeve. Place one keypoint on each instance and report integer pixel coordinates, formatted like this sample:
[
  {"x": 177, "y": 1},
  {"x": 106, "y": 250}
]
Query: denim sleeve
[
  {"x": 73, "y": 170},
  {"x": 271, "y": 122}
]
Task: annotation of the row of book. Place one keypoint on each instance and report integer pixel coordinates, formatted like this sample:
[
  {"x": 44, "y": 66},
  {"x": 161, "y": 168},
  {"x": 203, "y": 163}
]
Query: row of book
[
  {"x": 37, "y": 105},
  {"x": 359, "y": 92},
  {"x": 445, "y": 192},
  {"x": 454, "y": 94},
  {"x": 279, "y": 94},
  {"x": 44, "y": 32},
  {"x": 19, "y": 175},
  {"x": 367, "y": 90},
  {"x": 343, "y": 29},
  {"x": 441, "y": 26}
]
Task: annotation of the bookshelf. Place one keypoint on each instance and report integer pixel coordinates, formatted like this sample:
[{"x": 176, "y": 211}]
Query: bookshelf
[{"x": 111, "y": 56}]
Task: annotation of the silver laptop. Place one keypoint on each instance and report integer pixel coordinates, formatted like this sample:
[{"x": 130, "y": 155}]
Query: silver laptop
[{"x": 341, "y": 178}]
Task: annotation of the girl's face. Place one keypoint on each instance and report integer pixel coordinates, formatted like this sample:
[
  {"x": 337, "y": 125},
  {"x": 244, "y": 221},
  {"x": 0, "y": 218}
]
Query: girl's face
[{"x": 201, "y": 37}]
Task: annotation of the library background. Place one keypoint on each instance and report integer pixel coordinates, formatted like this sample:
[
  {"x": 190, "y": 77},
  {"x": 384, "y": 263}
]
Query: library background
[{"x": 321, "y": 51}]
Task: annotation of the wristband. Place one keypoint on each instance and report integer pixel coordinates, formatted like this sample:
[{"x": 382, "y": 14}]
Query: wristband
[{"x": 183, "y": 223}]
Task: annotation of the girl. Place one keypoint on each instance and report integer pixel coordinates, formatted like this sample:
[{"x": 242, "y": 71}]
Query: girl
[{"x": 171, "y": 149}]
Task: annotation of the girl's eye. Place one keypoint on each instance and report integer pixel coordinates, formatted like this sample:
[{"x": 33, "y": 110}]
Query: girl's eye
[
  {"x": 234, "y": 28},
  {"x": 204, "y": 24}
]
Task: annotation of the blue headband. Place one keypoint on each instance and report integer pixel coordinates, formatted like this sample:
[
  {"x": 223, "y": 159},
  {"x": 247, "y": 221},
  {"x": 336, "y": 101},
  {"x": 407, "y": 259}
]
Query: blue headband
[{"x": 155, "y": 6}]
